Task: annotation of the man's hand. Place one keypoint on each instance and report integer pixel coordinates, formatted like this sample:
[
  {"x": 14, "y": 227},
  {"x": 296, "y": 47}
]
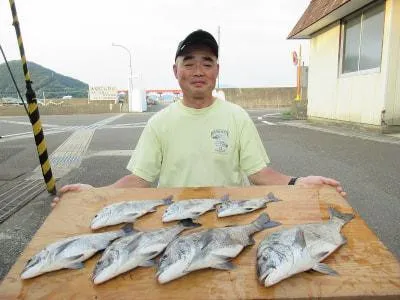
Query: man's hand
[
  {"x": 318, "y": 180},
  {"x": 70, "y": 188}
]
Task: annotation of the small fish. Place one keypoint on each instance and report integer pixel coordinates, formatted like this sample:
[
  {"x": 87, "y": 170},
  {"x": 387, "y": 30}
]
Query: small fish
[
  {"x": 238, "y": 207},
  {"x": 300, "y": 248},
  {"x": 126, "y": 212},
  {"x": 212, "y": 248},
  {"x": 189, "y": 209},
  {"x": 69, "y": 253},
  {"x": 135, "y": 250}
]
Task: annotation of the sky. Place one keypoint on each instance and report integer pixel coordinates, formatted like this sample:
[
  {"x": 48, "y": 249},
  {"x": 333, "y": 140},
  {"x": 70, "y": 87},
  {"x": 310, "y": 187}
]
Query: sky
[{"x": 74, "y": 38}]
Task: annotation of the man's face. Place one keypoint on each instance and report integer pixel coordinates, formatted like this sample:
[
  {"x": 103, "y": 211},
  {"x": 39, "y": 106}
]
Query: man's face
[{"x": 197, "y": 70}]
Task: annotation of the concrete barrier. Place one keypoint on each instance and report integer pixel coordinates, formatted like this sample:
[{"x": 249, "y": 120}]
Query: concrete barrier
[{"x": 261, "y": 97}]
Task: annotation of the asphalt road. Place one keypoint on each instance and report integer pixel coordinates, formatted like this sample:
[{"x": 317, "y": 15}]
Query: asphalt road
[{"x": 367, "y": 165}]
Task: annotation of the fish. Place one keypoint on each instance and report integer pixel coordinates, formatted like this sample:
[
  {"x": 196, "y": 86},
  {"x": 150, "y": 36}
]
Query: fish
[
  {"x": 210, "y": 248},
  {"x": 69, "y": 253},
  {"x": 287, "y": 252},
  {"x": 138, "y": 249},
  {"x": 127, "y": 211},
  {"x": 189, "y": 209},
  {"x": 238, "y": 207}
]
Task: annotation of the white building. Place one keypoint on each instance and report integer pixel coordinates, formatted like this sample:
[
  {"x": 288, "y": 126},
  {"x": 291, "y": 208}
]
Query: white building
[{"x": 354, "y": 69}]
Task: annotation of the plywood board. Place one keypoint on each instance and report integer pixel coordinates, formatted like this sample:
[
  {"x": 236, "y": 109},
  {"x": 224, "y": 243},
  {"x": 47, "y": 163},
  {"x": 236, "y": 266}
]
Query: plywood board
[{"x": 366, "y": 267}]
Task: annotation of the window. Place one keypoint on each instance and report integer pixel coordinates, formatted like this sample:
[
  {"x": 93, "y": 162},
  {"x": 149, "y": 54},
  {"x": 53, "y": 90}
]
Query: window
[{"x": 362, "y": 41}]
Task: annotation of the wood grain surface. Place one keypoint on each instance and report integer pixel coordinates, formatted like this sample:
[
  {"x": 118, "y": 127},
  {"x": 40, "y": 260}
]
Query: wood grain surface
[{"x": 367, "y": 269}]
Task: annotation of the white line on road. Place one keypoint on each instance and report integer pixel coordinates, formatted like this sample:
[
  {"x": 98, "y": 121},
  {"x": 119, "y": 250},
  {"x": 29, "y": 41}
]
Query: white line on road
[{"x": 268, "y": 123}]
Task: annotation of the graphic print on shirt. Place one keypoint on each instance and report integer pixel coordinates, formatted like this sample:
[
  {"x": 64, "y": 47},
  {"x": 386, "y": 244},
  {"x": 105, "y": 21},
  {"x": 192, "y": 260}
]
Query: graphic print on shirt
[{"x": 220, "y": 139}]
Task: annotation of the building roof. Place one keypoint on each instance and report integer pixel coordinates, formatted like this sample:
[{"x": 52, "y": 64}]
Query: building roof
[{"x": 321, "y": 13}]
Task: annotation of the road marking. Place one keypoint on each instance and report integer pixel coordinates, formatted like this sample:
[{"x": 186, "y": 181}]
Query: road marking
[
  {"x": 69, "y": 155},
  {"x": 112, "y": 153},
  {"x": 26, "y": 123},
  {"x": 268, "y": 123},
  {"x": 272, "y": 114}
]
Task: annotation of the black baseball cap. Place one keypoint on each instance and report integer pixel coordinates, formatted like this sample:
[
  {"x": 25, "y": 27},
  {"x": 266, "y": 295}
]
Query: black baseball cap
[{"x": 198, "y": 37}]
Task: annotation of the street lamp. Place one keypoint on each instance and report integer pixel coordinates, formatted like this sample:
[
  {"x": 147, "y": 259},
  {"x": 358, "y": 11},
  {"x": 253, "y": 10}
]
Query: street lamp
[
  {"x": 130, "y": 88},
  {"x": 130, "y": 57}
]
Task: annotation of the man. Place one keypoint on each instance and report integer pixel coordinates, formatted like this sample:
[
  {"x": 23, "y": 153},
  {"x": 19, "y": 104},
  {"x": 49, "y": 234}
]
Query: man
[{"x": 201, "y": 140}]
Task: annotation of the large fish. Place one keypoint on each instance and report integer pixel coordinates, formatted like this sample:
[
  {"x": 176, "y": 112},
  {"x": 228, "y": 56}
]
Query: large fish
[
  {"x": 301, "y": 248},
  {"x": 69, "y": 253},
  {"x": 238, "y": 207},
  {"x": 126, "y": 212},
  {"x": 135, "y": 250},
  {"x": 189, "y": 209},
  {"x": 212, "y": 248}
]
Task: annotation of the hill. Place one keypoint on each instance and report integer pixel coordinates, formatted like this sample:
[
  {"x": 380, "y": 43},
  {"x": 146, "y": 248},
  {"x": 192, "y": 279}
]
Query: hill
[{"x": 52, "y": 84}]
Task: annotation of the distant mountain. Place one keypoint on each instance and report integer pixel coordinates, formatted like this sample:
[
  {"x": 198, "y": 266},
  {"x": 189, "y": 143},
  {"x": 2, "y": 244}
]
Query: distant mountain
[{"x": 53, "y": 85}]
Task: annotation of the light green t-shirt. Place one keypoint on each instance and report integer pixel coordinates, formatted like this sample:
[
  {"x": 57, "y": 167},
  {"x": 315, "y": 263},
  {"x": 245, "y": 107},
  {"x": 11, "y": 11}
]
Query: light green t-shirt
[{"x": 186, "y": 147}]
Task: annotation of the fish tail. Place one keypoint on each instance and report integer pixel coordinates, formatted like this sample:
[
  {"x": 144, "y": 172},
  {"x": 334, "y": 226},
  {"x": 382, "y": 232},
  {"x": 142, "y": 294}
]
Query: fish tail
[
  {"x": 168, "y": 200},
  {"x": 264, "y": 222},
  {"x": 338, "y": 216},
  {"x": 188, "y": 223}
]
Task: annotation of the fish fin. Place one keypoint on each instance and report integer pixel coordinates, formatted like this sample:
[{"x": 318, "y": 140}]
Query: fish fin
[
  {"x": 75, "y": 257},
  {"x": 321, "y": 255},
  {"x": 224, "y": 266},
  {"x": 131, "y": 215},
  {"x": 148, "y": 263},
  {"x": 128, "y": 229},
  {"x": 250, "y": 241},
  {"x": 225, "y": 198},
  {"x": 152, "y": 210},
  {"x": 344, "y": 240},
  {"x": 206, "y": 239},
  {"x": 249, "y": 209},
  {"x": 196, "y": 214},
  {"x": 168, "y": 200},
  {"x": 264, "y": 222},
  {"x": 76, "y": 266},
  {"x": 299, "y": 239},
  {"x": 270, "y": 197},
  {"x": 132, "y": 245},
  {"x": 188, "y": 223},
  {"x": 337, "y": 215},
  {"x": 63, "y": 246},
  {"x": 325, "y": 269}
]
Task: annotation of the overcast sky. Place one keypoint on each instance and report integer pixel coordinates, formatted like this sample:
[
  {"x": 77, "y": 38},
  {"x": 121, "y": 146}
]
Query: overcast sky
[{"x": 75, "y": 38}]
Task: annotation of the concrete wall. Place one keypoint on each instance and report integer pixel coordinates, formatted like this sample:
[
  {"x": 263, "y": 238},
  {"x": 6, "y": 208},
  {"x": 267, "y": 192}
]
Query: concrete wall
[
  {"x": 261, "y": 97},
  {"x": 356, "y": 97},
  {"x": 392, "y": 97},
  {"x": 246, "y": 97}
]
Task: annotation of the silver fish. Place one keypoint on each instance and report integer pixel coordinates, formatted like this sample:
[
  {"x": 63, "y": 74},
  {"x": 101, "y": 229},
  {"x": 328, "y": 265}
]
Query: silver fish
[
  {"x": 135, "y": 250},
  {"x": 212, "y": 248},
  {"x": 126, "y": 212},
  {"x": 301, "y": 248},
  {"x": 189, "y": 209},
  {"x": 69, "y": 253},
  {"x": 238, "y": 207}
]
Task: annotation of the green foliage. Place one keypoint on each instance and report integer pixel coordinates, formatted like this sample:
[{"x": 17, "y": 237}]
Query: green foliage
[{"x": 53, "y": 85}]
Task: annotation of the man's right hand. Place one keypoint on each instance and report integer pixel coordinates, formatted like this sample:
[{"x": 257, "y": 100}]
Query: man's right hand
[{"x": 70, "y": 188}]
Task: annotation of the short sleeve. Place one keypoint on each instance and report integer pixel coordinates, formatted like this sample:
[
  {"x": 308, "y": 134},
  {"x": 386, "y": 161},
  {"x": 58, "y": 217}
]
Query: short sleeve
[
  {"x": 145, "y": 161},
  {"x": 253, "y": 156}
]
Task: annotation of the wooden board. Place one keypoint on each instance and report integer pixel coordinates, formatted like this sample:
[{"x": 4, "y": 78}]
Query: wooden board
[{"x": 366, "y": 267}]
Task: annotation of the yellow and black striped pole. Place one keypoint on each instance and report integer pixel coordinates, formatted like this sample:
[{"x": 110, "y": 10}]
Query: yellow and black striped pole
[{"x": 33, "y": 111}]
